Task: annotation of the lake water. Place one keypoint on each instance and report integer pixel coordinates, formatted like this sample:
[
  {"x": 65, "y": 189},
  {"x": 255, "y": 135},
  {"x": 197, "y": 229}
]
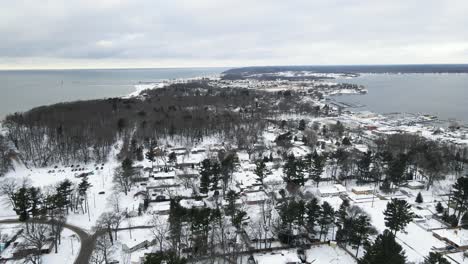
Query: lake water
[
  {"x": 23, "y": 90},
  {"x": 443, "y": 95}
]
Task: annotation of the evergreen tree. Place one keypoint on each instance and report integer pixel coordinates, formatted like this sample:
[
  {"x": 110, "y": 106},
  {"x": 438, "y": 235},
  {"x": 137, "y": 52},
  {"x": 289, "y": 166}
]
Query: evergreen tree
[
  {"x": 169, "y": 257},
  {"x": 172, "y": 157},
  {"x": 313, "y": 212},
  {"x": 342, "y": 212},
  {"x": 293, "y": 170},
  {"x": 439, "y": 208},
  {"x": 228, "y": 165},
  {"x": 364, "y": 166},
  {"x": 151, "y": 156},
  {"x": 124, "y": 175},
  {"x": 36, "y": 201},
  {"x": 361, "y": 229},
  {"x": 346, "y": 141},
  {"x": 419, "y": 198},
  {"x": 398, "y": 215},
  {"x": 62, "y": 194},
  {"x": 83, "y": 187},
  {"x": 22, "y": 203},
  {"x": 464, "y": 220},
  {"x": 318, "y": 164},
  {"x": 231, "y": 207},
  {"x": 326, "y": 218},
  {"x": 460, "y": 195},
  {"x": 302, "y": 125},
  {"x": 260, "y": 171},
  {"x": 139, "y": 154},
  {"x": 205, "y": 172},
  {"x": 396, "y": 169},
  {"x": 385, "y": 250},
  {"x": 435, "y": 258},
  {"x": 237, "y": 218},
  {"x": 216, "y": 173},
  {"x": 286, "y": 215}
]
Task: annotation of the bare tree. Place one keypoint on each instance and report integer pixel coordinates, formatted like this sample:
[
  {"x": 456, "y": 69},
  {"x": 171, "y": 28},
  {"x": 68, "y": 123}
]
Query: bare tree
[
  {"x": 8, "y": 187},
  {"x": 103, "y": 251},
  {"x": 160, "y": 229},
  {"x": 110, "y": 221},
  {"x": 34, "y": 239},
  {"x": 57, "y": 224},
  {"x": 114, "y": 199}
]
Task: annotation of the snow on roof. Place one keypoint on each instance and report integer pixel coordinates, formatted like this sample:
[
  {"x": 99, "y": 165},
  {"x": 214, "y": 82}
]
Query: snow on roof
[
  {"x": 191, "y": 203},
  {"x": 363, "y": 188},
  {"x": 334, "y": 189},
  {"x": 415, "y": 184},
  {"x": 161, "y": 206},
  {"x": 256, "y": 196},
  {"x": 458, "y": 236}
]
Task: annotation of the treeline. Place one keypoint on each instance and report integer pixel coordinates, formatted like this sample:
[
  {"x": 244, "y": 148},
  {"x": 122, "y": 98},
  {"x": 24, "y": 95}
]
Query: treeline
[
  {"x": 6, "y": 156},
  {"x": 85, "y": 131}
]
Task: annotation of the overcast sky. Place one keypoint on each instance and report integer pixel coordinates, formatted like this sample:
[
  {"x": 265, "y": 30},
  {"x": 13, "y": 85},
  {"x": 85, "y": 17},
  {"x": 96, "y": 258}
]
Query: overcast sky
[{"x": 176, "y": 33}]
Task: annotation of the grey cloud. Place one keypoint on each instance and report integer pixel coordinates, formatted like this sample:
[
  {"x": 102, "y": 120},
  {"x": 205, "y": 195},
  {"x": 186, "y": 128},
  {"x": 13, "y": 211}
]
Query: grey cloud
[{"x": 243, "y": 32}]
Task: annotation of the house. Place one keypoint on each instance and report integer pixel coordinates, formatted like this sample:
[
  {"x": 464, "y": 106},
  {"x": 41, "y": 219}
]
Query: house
[
  {"x": 188, "y": 164},
  {"x": 415, "y": 185},
  {"x": 254, "y": 197},
  {"x": 363, "y": 190},
  {"x": 48, "y": 246},
  {"x": 457, "y": 237},
  {"x": 329, "y": 191},
  {"x": 164, "y": 175}
]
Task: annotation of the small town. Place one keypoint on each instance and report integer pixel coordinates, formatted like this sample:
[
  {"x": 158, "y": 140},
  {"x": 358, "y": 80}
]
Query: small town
[{"x": 250, "y": 168}]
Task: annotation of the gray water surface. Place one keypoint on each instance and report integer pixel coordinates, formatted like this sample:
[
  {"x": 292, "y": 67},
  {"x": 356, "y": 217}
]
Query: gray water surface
[
  {"x": 443, "y": 95},
  {"x": 23, "y": 90}
]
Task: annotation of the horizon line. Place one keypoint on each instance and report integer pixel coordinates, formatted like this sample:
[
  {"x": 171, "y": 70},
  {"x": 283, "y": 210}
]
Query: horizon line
[{"x": 232, "y": 67}]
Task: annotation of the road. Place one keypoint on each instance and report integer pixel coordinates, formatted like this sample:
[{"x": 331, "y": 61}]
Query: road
[{"x": 87, "y": 241}]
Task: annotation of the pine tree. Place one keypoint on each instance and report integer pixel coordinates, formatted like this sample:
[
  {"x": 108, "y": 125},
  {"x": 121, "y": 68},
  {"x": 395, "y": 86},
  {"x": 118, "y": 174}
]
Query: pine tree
[
  {"x": 361, "y": 229},
  {"x": 168, "y": 257},
  {"x": 326, "y": 218},
  {"x": 22, "y": 203},
  {"x": 302, "y": 125},
  {"x": 151, "y": 156},
  {"x": 419, "y": 198},
  {"x": 260, "y": 171},
  {"x": 460, "y": 195},
  {"x": 124, "y": 175},
  {"x": 398, "y": 215},
  {"x": 464, "y": 220},
  {"x": 205, "y": 173},
  {"x": 172, "y": 157},
  {"x": 364, "y": 165},
  {"x": 346, "y": 141},
  {"x": 215, "y": 173},
  {"x": 313, "y": 211},
  {"x": 439, "y": 208},
  {"x": 293, "y": 170},
  {"x": 397, "y": 168},
  {"x": 35, "y": 197},
  {"x": 83, "y": 187},
  {"x": 139, "y": 154},
  {"x": 318, "y": 164},
  {"x": 385, "y": 250},
  {"x": 62, "y": 195},
  {"x": 231, "y": 207},
  {"x": 435, "y": 258}
]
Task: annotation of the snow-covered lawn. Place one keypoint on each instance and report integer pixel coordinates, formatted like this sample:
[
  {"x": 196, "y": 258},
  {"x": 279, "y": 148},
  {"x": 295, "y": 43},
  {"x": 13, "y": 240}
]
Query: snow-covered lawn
[
  {"x": 318, "y": 254},
  {"x": 417, "y": 242}
]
